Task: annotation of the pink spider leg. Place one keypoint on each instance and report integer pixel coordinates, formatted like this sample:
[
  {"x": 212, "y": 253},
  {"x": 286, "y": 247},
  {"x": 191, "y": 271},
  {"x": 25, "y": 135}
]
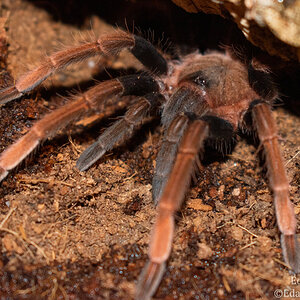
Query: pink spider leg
[
  {"x": 93, "y": 99},
  {"x": 107, "y": 45},
  {"x": 279, "y": 184},
  {"x": 170, "y": 201}
]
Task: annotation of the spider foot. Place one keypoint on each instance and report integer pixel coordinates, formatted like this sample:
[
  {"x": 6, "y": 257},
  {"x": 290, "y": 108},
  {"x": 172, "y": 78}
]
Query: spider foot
[
  {"x": 291, "y": 251},
  {"x": 89, "y": 156},
  {"x": 149, "y": 280}
]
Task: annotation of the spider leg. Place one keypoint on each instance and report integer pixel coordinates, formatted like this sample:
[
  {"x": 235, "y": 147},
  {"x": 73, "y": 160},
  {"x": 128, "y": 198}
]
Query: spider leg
[
  {"x": 120, "y": 131},
  {"x": 169, "y": 203},
  {"x": 107, "y": 45},
  {"x": 279, "y": 184},
  {"x": 166, "y": 154},
  {"x": 93, "y": 99},
  {"x": 176, "y": 113}
]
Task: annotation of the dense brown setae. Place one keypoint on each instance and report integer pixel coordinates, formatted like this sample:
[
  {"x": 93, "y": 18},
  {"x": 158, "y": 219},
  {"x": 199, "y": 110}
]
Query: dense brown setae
[{"x": 200, "y": 97}]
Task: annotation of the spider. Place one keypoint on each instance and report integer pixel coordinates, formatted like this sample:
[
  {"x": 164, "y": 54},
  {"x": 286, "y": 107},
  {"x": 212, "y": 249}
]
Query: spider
[{"x": 199, "y": 97}]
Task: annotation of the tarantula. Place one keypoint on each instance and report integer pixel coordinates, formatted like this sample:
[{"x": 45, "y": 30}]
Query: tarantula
[{"x": 200, "y": 98}]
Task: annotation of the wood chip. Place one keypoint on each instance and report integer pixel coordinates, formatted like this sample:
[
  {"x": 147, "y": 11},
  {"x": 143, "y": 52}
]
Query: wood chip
[{"x": 198, "y": 205}]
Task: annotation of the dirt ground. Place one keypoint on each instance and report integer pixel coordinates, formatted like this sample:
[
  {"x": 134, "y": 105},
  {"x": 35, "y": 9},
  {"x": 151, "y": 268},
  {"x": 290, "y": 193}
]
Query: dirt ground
[{"x": 66, "y": 234}]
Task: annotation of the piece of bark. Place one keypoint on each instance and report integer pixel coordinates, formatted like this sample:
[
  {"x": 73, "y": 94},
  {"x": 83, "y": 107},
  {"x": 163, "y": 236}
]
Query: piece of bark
[{"x": 274, "y": 26}]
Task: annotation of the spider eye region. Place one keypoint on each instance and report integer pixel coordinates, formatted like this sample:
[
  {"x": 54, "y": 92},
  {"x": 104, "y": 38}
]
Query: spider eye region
[{"x": 200, "y": 79}]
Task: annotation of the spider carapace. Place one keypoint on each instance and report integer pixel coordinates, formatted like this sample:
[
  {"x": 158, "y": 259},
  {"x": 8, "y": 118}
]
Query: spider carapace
[{"x": 200, "y": 97}]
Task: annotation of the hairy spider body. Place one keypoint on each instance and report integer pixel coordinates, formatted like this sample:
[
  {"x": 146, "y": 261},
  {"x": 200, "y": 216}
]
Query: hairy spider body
[{"x": 200, "y": 97}]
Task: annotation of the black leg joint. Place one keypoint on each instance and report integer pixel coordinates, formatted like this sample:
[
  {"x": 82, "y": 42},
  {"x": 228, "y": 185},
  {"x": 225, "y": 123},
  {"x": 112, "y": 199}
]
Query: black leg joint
[
  {"x": 219, "y": 129},
  {"x": 255, "y": 102},
  {"x": 138, "y": 85},
  {"x": 192, "y": 116},
  {"x": 262, "y": 83},
  {"x": 146, "y": 53},
  {"x": 247, "y": 120},
  {"x": 154, "y": 98}
]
